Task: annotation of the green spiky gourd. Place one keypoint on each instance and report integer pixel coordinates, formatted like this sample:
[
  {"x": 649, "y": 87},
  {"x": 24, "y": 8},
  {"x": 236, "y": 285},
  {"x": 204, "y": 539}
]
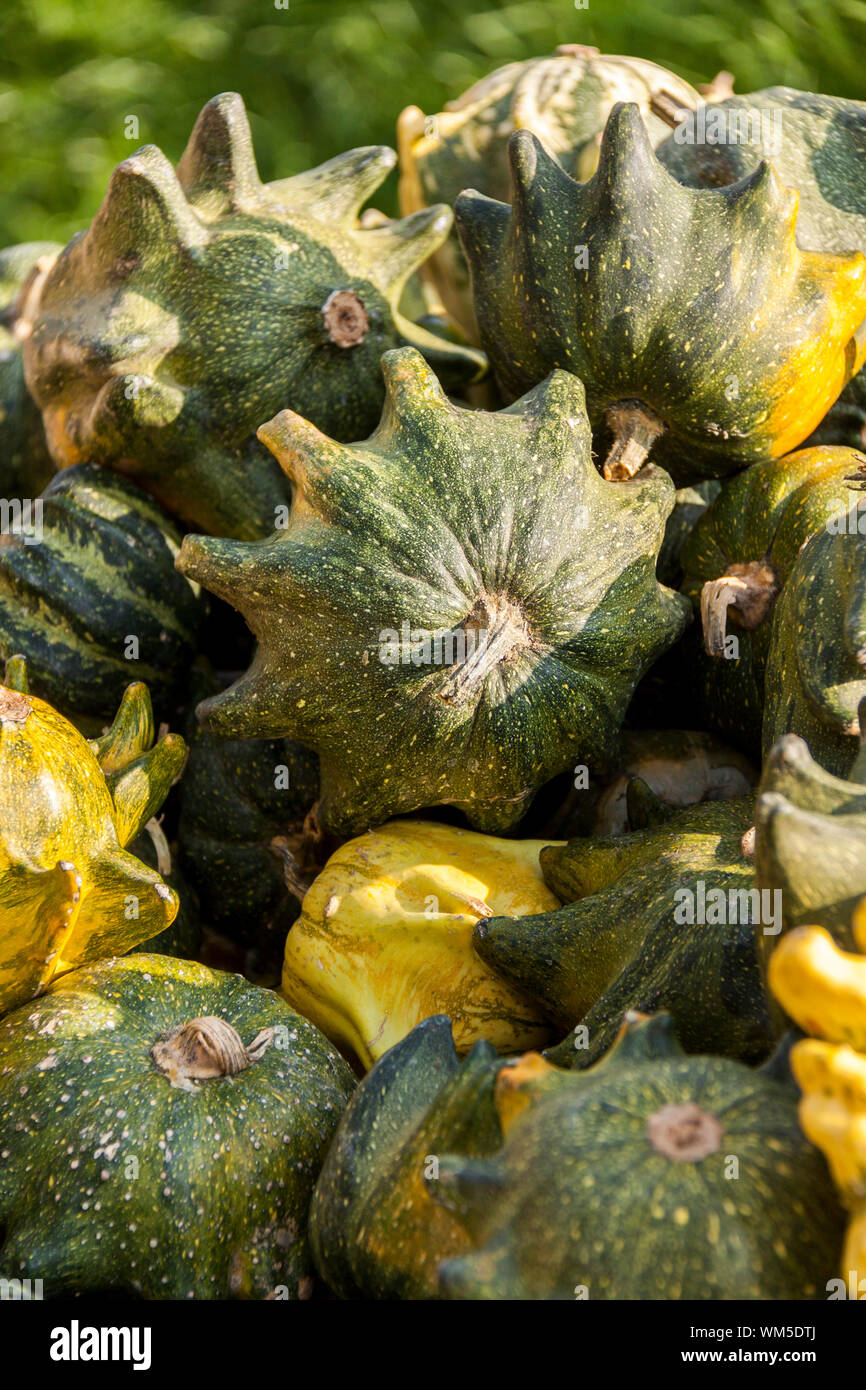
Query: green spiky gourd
[
  {"x": 70, "y": 892},
  {"x": 698, "y": 327},
  {"x": 648, "y": 926},
  {"x": 816, "y": 144},
  {"x": 163, "y": 1127},
  {"x": 237, "y": 798},
  {"x": 810, "y": 839},
  {"x": 25, "y": 463},
  {"x": 492, "y": 536},
  {"x": 564, "y": 98},
  {"x": 776, "y": 567},
  {"x": 652, "y": 1176},
  {"x": 200, "y": 301},
  {"x": 548, "y": 1172},
  {"x": 94, "y": 599}
]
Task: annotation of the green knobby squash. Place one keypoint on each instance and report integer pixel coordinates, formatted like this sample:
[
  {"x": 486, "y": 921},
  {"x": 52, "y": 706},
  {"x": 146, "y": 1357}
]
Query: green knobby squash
[
  {"x": 815, "y": 143},
  {"x": 163, "y": 1126},
  {"x": 200, "y": 301},
  {"x": 659, "y": 918},
  {"x": 237, "y": 797},
  {"x": 795, "y": 663},
  {"x": 375, "y": 1230},
  {"x": 459, "y": 608},
  {"x": 94, "y": 600},
  {"x": 810, "y": 840},
  {"x": 25, "y": 463},
  {"x": 651, "y": 1176},
  {"x": 564, "y": 98},
  {"x": 698, "y": 327}
]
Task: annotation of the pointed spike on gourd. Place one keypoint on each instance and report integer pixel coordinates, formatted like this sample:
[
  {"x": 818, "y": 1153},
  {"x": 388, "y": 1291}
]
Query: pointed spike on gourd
[
  {"x": 538, "y": 182},
  {"x": 337, "y": 190},
  {"x": 642, "y": 1037},
  {"x": 256, "y": 693},
  {"x": 222, "y": 566},
  {"x": 140, "y": 788},
  {"x": 15, "y": 675},
  {"x": 626, "y": 157},
  {"x": 763, "y": 189},
  {"x": 218, "y": 165},
  {"x": 410, "y": 385},
  {"x": 467, "y": 1188},
  {"x": 398, "y": 248},
  {"x": 301, "y": 449},
  {"x": 482, "y": 225},
  {"x": 144, "y": 209},
  {"x": 517, "y": 1083},
  {"x": 560, "y": 398},
  {"x": 131, "y": 733}
]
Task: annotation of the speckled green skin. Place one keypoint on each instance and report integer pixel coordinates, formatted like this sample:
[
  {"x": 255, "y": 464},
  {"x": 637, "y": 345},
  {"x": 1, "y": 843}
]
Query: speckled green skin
[
  {"x": 192, "y": 310},
  {"x": 103, "y": 571},
  {"x": 25, "y": 463},
  {"x": 578, "y": 1203},
  {"x": 219, "y": 1207},
  {"x": 375, "y": 1231},
  {"x": 816, "y": 664},
  {"x": 820, "y": 151},
  {"x": 618, "y": 946},
  {"x": 673, "y": 307},
  {"x": 230, "y": 810},
  {"x": 810, "y": 840},
  {"x": 769, "y": 513},
  {"x": 441, "y": 509}
]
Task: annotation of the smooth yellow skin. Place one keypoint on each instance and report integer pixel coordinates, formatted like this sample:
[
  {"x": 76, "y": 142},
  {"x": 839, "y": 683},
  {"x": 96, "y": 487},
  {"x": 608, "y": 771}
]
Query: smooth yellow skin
[
  {"x": 384, "y": 939},
  {"x": 69, "y": 892},
  {"x": 824, "y": 990}
]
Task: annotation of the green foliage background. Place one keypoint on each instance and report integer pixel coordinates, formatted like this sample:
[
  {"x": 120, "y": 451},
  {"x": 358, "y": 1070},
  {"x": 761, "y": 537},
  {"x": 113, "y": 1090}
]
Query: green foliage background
[{"x": 320, "y": 76}]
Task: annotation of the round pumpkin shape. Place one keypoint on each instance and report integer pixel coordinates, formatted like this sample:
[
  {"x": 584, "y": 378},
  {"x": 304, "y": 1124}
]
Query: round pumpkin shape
[
  {"x": 384, "y": 939},
  {"x": 703, "y": 1157},
  {"x": 700, "y": 330},
  {"x": 458, "y": 609},
  {"x": 94, "y": 598},
  {"x": 786, "y": 527},
  {"x": 200, "y": 301},
  {"x": 70, "y": 892},
  {"x": 163, "y": 1127},
  {"x": 662, "y": 918},
  {"x": 563, "y": 98}
]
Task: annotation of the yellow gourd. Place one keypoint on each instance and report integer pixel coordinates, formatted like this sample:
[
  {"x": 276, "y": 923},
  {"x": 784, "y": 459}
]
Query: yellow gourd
[
  {"x": 823, "y": 989},
  {"x": 69, "y": 892},
  {"x": 384, "y": 939}
]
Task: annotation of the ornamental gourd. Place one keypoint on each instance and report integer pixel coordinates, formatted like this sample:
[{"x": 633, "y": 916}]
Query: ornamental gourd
[
  {"x": 458, "y": 609},
  {"x": 776, "y": 567},
  {"x": 25, "y": 463},
  {"x": 659, "y": 918},
  {"x": 810, "y": 839},
  {"x": 242, "y": 808},
  {"x": 511, "y": 1180},
  {"x": 647, "y": 1142},
  {"x": 200, "y": 301},
  {"x": 563, "y": 98},
  {"x": 163, "y": 1127},
  {"x": 816, "y": 144},
  {"x": 384, "y": 939},
  {"x": 823, "y": 989},
  {"x": 698, "y": 327},
  {"x": 90, "y": 595},
  {"x": 69, "y": 891}
]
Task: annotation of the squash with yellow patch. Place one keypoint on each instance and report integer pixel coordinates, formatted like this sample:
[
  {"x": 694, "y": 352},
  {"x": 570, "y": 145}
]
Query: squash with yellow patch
[
  {"x": 384, "y": 939},
  {"x": 69, "y": 891}
]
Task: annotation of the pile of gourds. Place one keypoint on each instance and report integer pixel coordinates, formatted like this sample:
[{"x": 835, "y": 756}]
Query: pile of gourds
[{"x": 486, "y": 930}]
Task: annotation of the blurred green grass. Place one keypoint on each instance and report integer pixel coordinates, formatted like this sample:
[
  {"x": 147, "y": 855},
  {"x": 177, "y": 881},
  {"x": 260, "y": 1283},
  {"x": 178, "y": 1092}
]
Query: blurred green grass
[{"x": 320, "y": 76}]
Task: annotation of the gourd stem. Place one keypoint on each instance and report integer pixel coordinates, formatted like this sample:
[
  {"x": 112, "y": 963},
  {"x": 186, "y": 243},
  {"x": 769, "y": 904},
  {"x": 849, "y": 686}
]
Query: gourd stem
[
  {"x": 669, "y": 108},
  {"x": 206, "y": 1049},
  {"x": 345, "y": 318},
  {"x": 635, "y": 428},
  {"x": 721, "y": 88},
  {"x": 684, "y": 1133},
  {"x": 576, "y": 50},
  {"x": 746, "y": 594}
]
